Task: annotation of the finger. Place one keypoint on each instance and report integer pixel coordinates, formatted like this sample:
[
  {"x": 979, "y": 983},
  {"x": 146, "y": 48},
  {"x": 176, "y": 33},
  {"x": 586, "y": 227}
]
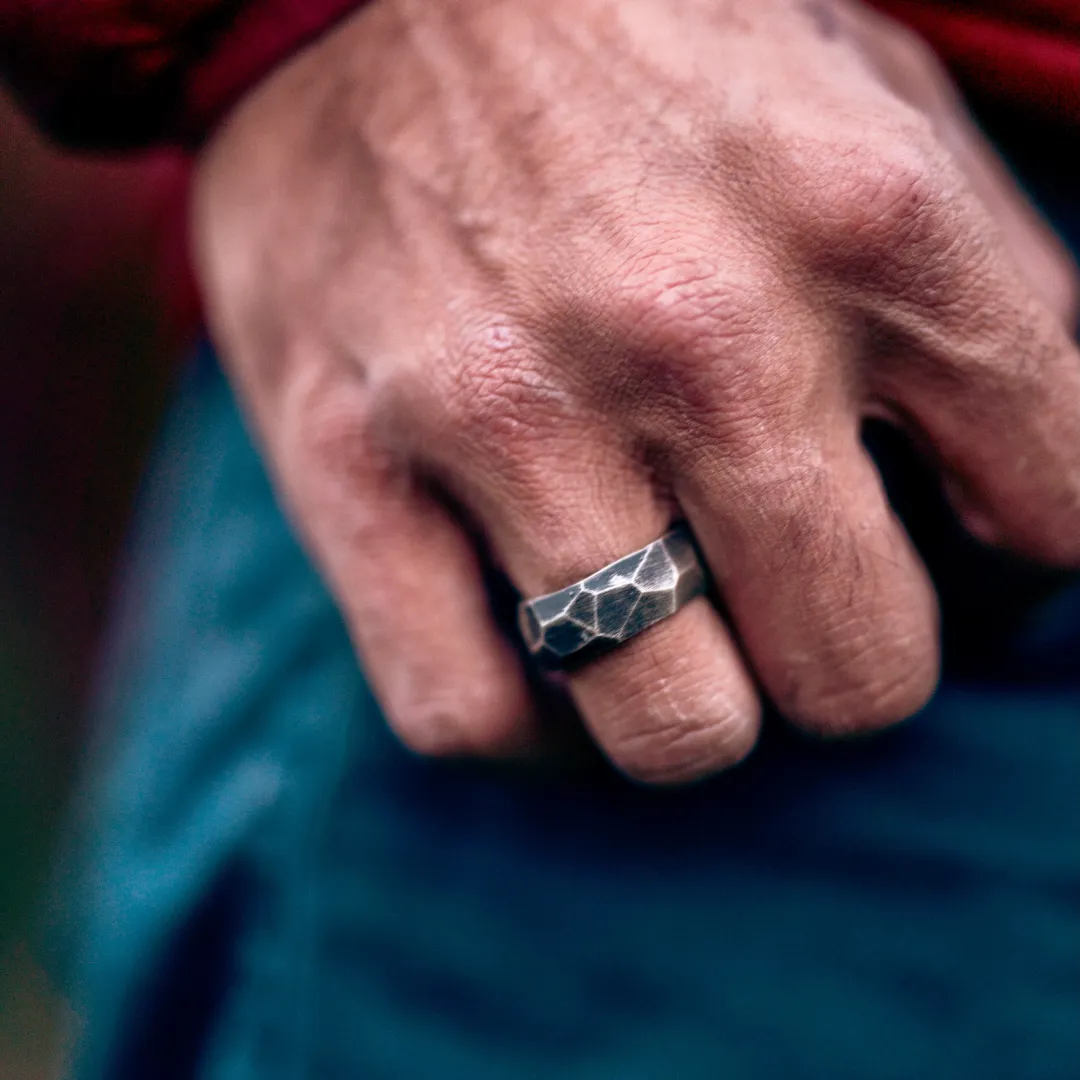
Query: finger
[
  {"x": 1006, "y": 470},
  {"x": 559, "y": 503},
  {"x": 407, "y": 579},
  {"x": 675, "y": 703},
  {"x": 1042, "y": 258},
  {"x": 956, "y": 341},
  {"x": 994, "y": 386},
  {"x": 913, "y": 71},
  {"x": 831, "y": 604}
]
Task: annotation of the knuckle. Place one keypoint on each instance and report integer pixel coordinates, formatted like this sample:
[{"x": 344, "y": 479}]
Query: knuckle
[
  {"x": 1056, "y": 551},
  {"x": 663, "y": 758},
  {"x": 332, "y": 441},
  {"x": 910, "y": 54},
  {"x": 864, "y": 203},
  {"x": 663, "y": 750},
  {"x": 699, "y": 341},
  {"x": 673, "y": 726},
  {"x": 494, "y": 389},
  {"x": 663, "y": 300},
  {"x": 667, "y": 296},
  {"x": 337, "y": 436},
  {"x": 882, "y": 190},
  {"x": 864, "y": 694},
  {"x": 1009, "y": 363},
  {"x": 434, "y": 733},
  {"x": 1052, "y": 538},
  {"x": 448, "y": 723}
]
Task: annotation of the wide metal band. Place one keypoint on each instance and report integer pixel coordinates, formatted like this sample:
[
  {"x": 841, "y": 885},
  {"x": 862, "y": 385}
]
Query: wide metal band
[{"x": 568, "y": 627}]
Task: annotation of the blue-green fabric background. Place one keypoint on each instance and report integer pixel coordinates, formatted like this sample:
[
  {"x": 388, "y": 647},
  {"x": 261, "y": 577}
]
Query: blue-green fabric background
[{"x": 266, "y": 887}]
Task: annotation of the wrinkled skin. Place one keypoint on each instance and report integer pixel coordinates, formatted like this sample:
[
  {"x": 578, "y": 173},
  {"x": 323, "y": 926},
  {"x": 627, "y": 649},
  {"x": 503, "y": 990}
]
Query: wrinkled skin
[{"x": 558, "y": 272}]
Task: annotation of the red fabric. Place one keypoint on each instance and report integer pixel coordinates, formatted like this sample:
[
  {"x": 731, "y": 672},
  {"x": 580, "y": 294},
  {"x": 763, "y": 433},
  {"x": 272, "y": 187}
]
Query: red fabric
[
  {"x": 109, "y": 72},
  {"x": 265, "y": 32},
  {"x": 1026, "y": 52}
]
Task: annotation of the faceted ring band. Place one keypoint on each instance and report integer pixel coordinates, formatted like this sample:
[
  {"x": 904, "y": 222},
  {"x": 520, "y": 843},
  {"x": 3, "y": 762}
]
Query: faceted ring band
[{"x": 575, "y": 624}]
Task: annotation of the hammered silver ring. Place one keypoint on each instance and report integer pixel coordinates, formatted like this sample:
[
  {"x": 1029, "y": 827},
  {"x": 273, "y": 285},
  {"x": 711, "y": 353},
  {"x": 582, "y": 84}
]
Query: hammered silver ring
[{"x": 572, "y": 625}]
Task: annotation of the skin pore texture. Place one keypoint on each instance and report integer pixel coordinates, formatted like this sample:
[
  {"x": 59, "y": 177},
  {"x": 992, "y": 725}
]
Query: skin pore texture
[{"x": 555, "y": 273}]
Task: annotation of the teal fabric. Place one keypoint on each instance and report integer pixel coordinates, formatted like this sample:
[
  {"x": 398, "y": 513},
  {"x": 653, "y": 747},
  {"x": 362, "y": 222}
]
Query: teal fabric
[{"x": 269, "y": 888}]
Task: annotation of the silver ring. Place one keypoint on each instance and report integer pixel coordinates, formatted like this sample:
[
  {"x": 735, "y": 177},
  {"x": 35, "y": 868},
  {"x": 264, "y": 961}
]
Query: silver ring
[{"x": 609, "y": 607}]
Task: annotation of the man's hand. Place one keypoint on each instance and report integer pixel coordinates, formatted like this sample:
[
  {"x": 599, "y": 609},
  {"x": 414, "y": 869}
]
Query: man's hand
[{"x": 558, "y": 272}]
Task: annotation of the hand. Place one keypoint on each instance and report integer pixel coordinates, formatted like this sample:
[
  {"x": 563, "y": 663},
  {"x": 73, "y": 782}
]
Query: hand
[{"x": 557, "y": 272}]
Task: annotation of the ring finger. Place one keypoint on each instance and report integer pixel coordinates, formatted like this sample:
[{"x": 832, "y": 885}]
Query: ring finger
[{"x": 674, "y": 702}]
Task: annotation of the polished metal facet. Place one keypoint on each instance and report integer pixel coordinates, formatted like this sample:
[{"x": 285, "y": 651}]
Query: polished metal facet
[{"x": 615, "y": 603}]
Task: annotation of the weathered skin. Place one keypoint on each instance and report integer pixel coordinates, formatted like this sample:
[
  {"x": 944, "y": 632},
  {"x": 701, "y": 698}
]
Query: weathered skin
[{"x": 573, "y": 269}]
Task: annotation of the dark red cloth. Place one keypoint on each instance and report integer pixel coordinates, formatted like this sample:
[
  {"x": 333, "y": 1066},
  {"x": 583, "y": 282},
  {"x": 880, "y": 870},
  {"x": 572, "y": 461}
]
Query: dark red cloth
[
  {"x": 134, "y": 72},
  {"x": 1023, "y": 52}
]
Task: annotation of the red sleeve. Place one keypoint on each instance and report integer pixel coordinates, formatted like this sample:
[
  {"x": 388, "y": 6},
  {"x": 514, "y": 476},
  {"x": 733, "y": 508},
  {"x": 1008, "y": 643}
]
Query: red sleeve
[
  {"x": 135, "y": 72},
  {"x": 1025, "y": 52}
]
